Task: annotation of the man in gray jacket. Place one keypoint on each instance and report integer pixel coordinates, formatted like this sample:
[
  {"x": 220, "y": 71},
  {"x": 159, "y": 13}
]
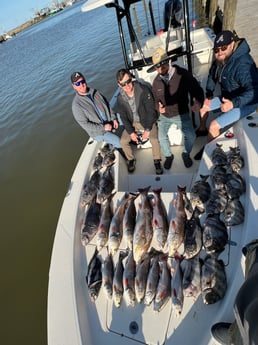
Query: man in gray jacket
[{"x": 93, "y": 113}]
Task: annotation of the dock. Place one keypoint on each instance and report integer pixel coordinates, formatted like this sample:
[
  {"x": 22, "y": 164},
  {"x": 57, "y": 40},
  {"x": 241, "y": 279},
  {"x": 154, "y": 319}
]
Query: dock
[{"x": 244, "y": 23}]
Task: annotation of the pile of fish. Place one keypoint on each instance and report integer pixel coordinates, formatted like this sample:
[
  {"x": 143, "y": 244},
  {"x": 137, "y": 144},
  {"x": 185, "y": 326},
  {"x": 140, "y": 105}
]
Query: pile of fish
[{"x": 143, "y": 257}]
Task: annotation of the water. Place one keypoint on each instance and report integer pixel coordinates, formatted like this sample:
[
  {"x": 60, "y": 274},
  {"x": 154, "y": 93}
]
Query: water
[{"x": 40, "y": 143}]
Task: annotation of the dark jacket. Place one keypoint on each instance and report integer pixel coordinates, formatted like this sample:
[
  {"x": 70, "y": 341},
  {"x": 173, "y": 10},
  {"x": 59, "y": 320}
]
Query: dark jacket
[
  {"x": 238, "y": 77},
  {"x": 175, "y": 95},
  {"x": 145, "y": 107}
]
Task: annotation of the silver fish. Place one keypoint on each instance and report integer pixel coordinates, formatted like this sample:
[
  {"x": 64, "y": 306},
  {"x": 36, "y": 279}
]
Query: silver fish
[
  {"x": 191, "y": 277},
  {"x": 106, "y": 184},
  {"x": 164, "y": 287},
  {"x": 116, "y": 226},
  {"x": 141, "y": 277},
  {"x": 176, "y": 230},
  {"x": 176, "y": 285},
  {"x": 128, "y": 280},
  {"x": 200, "y": 191},
  {"x": 94, "y": 276},
  {"x": 218, "y": 156},
  {"x": 152, "y": 281},
  {"x": 108, "y": 275},
  {"x": 234, "y": 213},
  {"x": 215, "y": 235},
  {"x": 193, "y": 235},
  {"x": 217, "y": 202},
  {"x": 143, "y": 231},
  {"x": 104, "y": 224},
  {"x": 129, "y": 221},
  {"x": 98, "y": 162},
  {"x": 118, "y": 288},
  {"x": 90, "y": 188},
  {"x": 159, "y": 221},
  {"x": 214, "y": 280},
  {"x": 91, "y": 223}
]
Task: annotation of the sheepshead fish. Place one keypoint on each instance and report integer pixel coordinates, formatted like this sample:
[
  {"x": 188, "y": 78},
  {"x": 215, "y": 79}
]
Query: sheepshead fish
[
  {"x": 118, "y": 288},
  {"x": 235, "y": 160},
  {"x": 94, "y": 276},
  {"x": 188, "y": 206},
  {"x": 164, "y": 286},
  {"x": 109, "y": 158},
  {"x": 143, "y": 231},
  {"x": 98, "y": 162},
  {"x": 214, "y": 280},
  {"x": 176, "y": 230},
  {"x": 218, "y": 156},
  {"x": 105, "y": 149},
  {"x": 217, "y": 202},
  {"x": 91, "y": 222},
  {"x": 200, "y": 191},
  {"x": 152, "y": 280},
  {"x": 108, "y": 275},
  {"x": 90, "y": 189},
  {"x": 193, "y": 235},
  {"x": 215, "y": 235},
  {"x": 234, "y": 213},
  {"x": 116, "y": 226},
  {"x": 159, "y": 221},
  {"x": 104, "y": 224},
  {"x": 218, "y": 177},
  {"x": 129, "y": 221},
  {"x": 235, "y": 185},
  {"x": 176, "y": 286},
  {"x": 128, "y": 280},
  {"x": 106, "y": 184},
  {"x": 191, "y": 277}
]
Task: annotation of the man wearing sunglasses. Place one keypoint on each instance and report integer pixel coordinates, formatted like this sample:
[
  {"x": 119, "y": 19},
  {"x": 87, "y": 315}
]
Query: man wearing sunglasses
[
  {"x": 93, "y": 113},
  {"x": 135, "y": 105},
  {"x": 236, "y": 74},
  {"x": 173, "y": 88}
]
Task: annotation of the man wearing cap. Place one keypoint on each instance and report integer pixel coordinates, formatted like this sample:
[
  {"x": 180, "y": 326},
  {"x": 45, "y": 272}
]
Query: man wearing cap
[
  {"x": 93, "y": 112},
  {"x": 236, "y": 73},
  {"x": 171, "y": 90}
]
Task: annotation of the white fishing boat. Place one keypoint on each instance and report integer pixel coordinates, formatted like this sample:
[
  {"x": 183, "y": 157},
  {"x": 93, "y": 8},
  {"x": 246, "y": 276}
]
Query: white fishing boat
[{"x": 73, "y": 318}]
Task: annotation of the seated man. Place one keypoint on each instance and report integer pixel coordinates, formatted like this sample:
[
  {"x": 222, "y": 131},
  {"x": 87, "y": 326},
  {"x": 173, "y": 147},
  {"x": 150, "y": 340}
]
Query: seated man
[
  {"x": 244, "y": 330},
  {"x": 135, "y": 105}
]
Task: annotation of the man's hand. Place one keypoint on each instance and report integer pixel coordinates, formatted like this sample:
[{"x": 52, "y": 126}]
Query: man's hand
[
  {"x": 108, "y": 127},
  {"x": 115, "y": 124},
  {"x": 134, "y": 137},
  {"x": 145, "y": 135},
  {"x": 226, "y": 105},
  {"x": 196, "y": 106},
  {"x": 206, "y": 107},
  {"x": 162, "y": 108}
]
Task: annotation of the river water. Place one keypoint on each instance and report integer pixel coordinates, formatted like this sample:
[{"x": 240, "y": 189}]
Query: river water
[{"x": 40, "y": 143}]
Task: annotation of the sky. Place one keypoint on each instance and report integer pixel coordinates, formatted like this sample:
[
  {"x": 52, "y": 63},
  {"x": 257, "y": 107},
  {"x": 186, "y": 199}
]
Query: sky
[{"x": 16, "y": 12}]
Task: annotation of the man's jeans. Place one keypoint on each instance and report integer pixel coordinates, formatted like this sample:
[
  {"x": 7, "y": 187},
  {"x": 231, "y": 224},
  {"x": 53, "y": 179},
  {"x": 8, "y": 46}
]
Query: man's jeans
[{"x": 182, "y": 122}]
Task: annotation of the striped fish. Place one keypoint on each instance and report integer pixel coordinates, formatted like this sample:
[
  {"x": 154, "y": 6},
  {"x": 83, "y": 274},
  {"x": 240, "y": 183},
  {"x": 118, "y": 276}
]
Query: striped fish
[
  {"x": 200, "y": 191},
  {"x": 218, "y": 156},
  {"x": 193, "y": 235},
  {"x": 215, "y": 235},
  {"x": 234, "y": 212}
]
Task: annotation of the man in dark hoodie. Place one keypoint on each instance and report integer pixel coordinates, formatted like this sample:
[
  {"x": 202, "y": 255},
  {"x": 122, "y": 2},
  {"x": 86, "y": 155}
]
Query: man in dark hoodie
[{"x": 236, "y": 73}]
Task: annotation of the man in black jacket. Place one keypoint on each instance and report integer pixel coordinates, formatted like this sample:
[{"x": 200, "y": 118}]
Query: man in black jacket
[{"x": 135, "y": 105}]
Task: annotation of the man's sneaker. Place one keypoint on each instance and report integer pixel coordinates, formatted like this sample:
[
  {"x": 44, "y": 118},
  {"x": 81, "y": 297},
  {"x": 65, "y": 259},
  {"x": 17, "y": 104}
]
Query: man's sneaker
[
  {"x": 220, "y": 332},
  {"x": 168, "y": 162},
  {"x": 158, "y": 167},
  {"x": 198, "y": 155},
  {"x": 131, "y": 166},
  {"x": 187, "y": 160}
]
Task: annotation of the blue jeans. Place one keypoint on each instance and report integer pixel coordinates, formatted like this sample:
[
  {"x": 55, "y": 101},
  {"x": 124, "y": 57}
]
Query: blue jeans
[
  {"x": 109, "y": 138},
  {"x": 233, "y": 115},
  {"x": 182, "y": 122}
]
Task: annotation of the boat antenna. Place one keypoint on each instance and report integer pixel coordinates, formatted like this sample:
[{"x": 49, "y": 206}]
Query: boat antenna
[
  {"x": 187, "y": 35},
  {"x": 146, "y": 15},
  {"x": 138, "y": 27},
  {"x": 169, "y": 25},
  {"x": 152, "y": 17}
]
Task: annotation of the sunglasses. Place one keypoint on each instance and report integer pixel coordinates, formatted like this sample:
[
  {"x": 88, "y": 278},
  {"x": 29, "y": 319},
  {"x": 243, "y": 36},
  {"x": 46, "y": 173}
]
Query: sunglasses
[
  {"x": 78, "y": 83},
  {"x": 223, "y": 48},
  {"x": 128, "y": 81}
]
